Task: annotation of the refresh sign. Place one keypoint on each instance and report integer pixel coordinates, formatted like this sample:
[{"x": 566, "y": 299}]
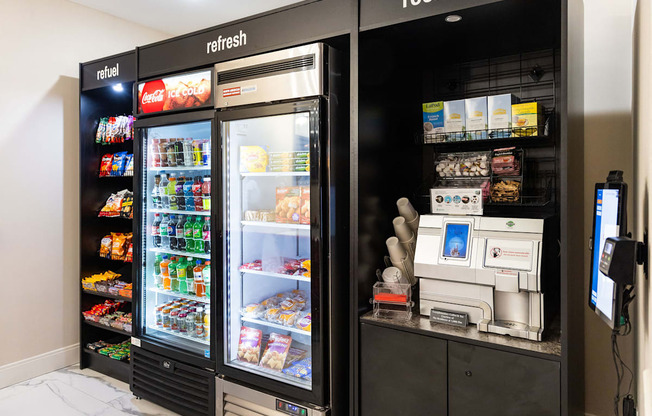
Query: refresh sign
[{"x": 223, "y": 43}]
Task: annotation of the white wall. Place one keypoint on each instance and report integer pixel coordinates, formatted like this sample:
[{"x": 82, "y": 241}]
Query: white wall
[
  {"x": 608, "y": 145},
  {"x": 41, "y": 45}
]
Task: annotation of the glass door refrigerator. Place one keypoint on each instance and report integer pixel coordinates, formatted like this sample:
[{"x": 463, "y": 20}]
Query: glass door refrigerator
[
  {"x": 277, "y": 294},
  {"x": 173, "y": 348}
]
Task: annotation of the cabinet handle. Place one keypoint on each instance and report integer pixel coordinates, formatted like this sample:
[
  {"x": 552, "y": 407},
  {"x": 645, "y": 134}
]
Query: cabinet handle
[{"x": 468, "y": 373}]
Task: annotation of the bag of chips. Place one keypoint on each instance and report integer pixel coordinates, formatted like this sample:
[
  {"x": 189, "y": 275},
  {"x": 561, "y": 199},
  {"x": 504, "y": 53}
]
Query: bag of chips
[
  {"x": 118, "y": 167},
  {"x": 129, "y": 258},
  {"x": 127, "y": 207},
  {"x": 106, "y": 165},
  {"x": 105, "y": 246},
  {"x": 119, "y": 246},
  {"x": 129, "y": 165}
]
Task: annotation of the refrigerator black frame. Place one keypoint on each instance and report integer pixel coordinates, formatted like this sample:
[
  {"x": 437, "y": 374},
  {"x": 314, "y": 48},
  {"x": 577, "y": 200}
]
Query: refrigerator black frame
[
  {"x": 147, "y": 342},
  {"x": 319, "y": 236}
]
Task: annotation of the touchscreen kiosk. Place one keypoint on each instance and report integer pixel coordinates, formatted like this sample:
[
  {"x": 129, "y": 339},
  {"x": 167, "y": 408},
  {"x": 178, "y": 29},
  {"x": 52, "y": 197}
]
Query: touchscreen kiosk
[
  {"x": 456, "y": 240},
  {"x": 608, "y": 221}
]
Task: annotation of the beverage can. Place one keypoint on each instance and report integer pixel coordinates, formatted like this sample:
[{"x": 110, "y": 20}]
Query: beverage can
[
  {"x": 183, "y": 322},
  {"x": 165, "y": 317},
  {"x": 159, "y": 316},
  {"x": 174, "y": 320}
]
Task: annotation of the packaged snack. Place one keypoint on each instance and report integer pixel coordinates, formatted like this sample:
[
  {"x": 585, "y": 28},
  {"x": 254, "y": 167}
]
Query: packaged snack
[
  {"x": 272, "y": 313},
  {"x": 290, "y": 168},
  {"x": 287, "y": 204},
  {"x": 300, "y": 293},
  {"x": 304, "y": 213},
  {"x": 106, "y": 165},
  {"x": 253, "y": 159},
  {"x": 300, "y": 369},
  {"x": 294, "y": 355},
  {"x": 101, "y": 129},
  {"x": 287, "y": 318},
  {"x": 433, "y": 117},
  {"x": 288, "y": 305},
  {"x": 505, "y": 162},
  {"x": 305, "y": 322},
  {"x": 118, "y": 166},
  {"x": 105, "y": 246},
  {"x": 127, "y": 207},
  {"x": 129, "y": 257},
  {"x": 249, "y": 346},
  {"x": 526, "y": 118},
  {"x": 112, "y": 206},
  {"x": 506, "y": 191},
  {"x": 129, "y": 165},
  {"x": 463, "y": 164},
  {"x": 118, "y": 248},
  {"x": 269, "y": 302},
  {"x": 253, "y": 310},
  {"x": 276, "y": 351},
  {"x": 256, "y": 265}
]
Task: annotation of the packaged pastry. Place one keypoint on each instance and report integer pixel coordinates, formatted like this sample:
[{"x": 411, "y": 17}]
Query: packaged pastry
[
  {"x": 253, "y": 310},
  {"x": 298, "y": 292},
  {"x": 272, "y": 313},
  {"x": 269, "y": 302},
  {"x": 253, "y": 159},
  {"x": 276, "y": 351},
  {"x": 288, "y": 204},
  {"x": 305, "y": 322},
  {"x": 288, "y": 305},
  {"x": 287, "y": 318},
  {"x": 249, "y": 347}
]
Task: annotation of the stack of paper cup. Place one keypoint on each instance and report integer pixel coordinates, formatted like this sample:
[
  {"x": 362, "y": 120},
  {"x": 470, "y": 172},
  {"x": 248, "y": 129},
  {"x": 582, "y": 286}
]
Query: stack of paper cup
[
  {"x": 407, "y": 211},
  {"x": 399, "y": 259},
  {"x": 405, "y": 236}
]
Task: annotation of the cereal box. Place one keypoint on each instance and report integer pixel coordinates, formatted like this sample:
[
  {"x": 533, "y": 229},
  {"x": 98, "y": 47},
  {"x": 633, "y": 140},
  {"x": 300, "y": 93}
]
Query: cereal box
[{"x": 287, "y": 204}]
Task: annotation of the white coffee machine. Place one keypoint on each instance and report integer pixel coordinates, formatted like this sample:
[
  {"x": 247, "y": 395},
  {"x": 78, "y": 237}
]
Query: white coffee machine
[{"x": 486, "y": 267}]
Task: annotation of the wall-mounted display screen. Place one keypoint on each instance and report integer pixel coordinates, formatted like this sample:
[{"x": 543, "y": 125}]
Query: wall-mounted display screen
[
  {"x": 456, "y": 239},
  {"x": 178, "y": 92}
]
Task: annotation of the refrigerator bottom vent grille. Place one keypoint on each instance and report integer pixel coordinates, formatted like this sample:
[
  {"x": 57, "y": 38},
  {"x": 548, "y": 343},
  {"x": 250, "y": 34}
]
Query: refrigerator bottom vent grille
[
  {"x": 235, "y": 406},
  {"x": 176, "y": 386}
]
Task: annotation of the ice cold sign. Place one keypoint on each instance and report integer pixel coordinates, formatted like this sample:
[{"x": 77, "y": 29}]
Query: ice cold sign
[{"x": 407, "y": 3}]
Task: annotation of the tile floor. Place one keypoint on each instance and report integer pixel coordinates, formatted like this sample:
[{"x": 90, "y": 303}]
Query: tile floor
[{"x": 74, "y": 392}]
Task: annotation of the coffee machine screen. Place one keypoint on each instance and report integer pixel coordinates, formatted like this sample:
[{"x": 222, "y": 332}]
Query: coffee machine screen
[{"x": 456, "y": 241}]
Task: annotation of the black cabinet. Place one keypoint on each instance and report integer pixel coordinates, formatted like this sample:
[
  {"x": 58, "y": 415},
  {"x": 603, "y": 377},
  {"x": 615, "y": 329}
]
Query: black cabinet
[
  {"x": 489, "y": 382},
  {"x": 401, "y": 373}
]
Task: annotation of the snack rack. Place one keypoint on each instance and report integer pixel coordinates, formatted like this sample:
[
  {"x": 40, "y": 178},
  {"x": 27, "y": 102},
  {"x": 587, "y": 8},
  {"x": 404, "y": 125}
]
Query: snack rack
[{"x": 97, "y": 286}]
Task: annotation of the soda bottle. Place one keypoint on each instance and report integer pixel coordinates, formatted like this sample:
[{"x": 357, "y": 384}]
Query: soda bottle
[
  {"x": 163, "y": 192},
  {"x": 181, "y": 241},
  {"x": 196, "y": 192},
  {"x": 190, "y": 275},
  {"x": 163, "y": 153},
  {"x": 165, "y": 273},
  {"x": 198, "y": 235},
  {"x": 172, "y": 157},
  {"x": 196, "y": 152},
  {"x": 190, "y": 322},
  {"x": 181, "y": 201},
  {"x": 187, "y": 153},
  {"x": 206, "y": 274},
  {"x": 156, "y": 196},
  {"x": 178, "y": 147},
  {"x": 172, "y": 191},
  {"x": 153, "y": 150},
  {"x": 207, "y": 320},
  {"x": 156, "y": 230},
  {"x": 163, "y": 230},
  {"x": 206, "y": 233},
  {"x": 188, "y": 231},
  {"x": 172, "y": 232},
  {"x": 199, "y": 323},
  {"x": 174, "y": 281},
  {"x": 206, "y": 153},
  {"x": 199, "y": 279},
  {"x": 157, "y": 270},
  {"x": 182, "y": 268},
  {"x": 187, "y": 193},
  {"x": 206, "y": 193}
]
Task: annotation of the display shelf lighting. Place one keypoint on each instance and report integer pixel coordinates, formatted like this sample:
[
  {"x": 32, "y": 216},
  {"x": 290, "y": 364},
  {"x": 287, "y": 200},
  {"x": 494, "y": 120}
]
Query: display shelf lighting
[
  {"x": 453, "y": 18},
  {"x": 118, "y": 87}
]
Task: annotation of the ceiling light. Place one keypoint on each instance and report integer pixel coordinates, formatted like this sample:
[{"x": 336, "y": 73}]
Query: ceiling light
[
  {"x": 452, "y": 18},
  {"x": 118, "y": 88}
]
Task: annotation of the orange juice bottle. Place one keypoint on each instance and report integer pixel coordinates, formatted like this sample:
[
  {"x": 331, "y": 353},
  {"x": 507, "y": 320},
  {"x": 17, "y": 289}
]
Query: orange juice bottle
[{"x": 165, "y": 272}]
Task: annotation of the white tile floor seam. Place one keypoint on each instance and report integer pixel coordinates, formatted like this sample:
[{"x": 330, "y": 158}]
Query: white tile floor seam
[{"x": 71, "y": 391}]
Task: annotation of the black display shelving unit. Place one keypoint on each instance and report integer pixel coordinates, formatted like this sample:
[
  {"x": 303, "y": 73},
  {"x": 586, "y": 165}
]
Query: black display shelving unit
[{"x": 100, "y": 97}]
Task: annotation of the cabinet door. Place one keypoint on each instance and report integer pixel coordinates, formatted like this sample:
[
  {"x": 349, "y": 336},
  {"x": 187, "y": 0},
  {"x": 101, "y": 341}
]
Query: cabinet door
[
  {"x": 401, "y": 373},
  {"x": 487, "y": 382}
]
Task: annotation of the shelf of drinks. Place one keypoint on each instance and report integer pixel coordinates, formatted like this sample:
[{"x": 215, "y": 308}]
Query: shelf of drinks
[
  {"x": 106, "y": 295},
  {"x": 180, "y": 295},
  {"x": 178, "y": 212},
  {"x": 273, "y": 374},
  {"x": 276, "y": 326},
  {"x": 179, "y": 335},
  {"x": 272, "y": 174},
  {"x": 277, "y": 275},
  {"x": 262, "y": 224},
  {"x": 180, "y": 253},
  {"x": 108, "y": 328},
  {"x": 177, "y": 168}
]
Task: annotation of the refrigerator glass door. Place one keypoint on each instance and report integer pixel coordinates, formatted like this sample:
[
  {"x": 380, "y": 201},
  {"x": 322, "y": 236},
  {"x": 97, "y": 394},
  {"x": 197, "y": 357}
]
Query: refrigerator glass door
[
  {"x": 176, "y": 246},
  {"x": 268, "y": 245}
]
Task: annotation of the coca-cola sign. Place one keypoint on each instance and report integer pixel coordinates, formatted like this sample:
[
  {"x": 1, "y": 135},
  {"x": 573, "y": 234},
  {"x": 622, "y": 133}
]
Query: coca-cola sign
[{"x": 175, "y": 93}]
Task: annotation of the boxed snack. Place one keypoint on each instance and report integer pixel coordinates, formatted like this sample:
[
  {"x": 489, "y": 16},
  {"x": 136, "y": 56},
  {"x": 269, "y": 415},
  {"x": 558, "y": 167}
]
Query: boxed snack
[
  {"x": 454, "y": 120},
  {"x": 300, "y": 369},
  {"x": 253, "y": 159},
  {"x": 526, "y": 119},
  {"x": 475, "y": 110},
  {"x": 287, "y": 204},
  {"x": 276, "y": 351},
  {"x": 499, "y": 110},
  {"x": 249, "y": 346},
  {"x": 290, "y": 168},
  {"x": 433, "y": 117},
  {"x": 304, "y": 214},
  {"x": 276, "y": 156},
  {"x": 506, "y": 162}
]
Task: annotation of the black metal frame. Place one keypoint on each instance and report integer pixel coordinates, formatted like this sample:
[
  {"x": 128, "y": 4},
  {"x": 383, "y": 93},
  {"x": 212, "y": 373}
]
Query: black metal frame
[
  {"x": 148, "y": 342},
  {"x": 319, "y": 254}
]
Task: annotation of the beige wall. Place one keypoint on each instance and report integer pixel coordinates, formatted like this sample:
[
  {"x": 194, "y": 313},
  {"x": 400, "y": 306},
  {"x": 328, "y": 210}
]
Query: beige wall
[
  {"x": 608, "y": 145},
  {"x": 642, "y": 320},
  {"x": 41, "y": 44}
]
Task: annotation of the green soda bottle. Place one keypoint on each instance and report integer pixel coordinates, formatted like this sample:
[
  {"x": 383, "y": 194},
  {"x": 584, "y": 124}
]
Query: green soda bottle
[
  {"x": 157, "y": 270},
  {"x": 198, "y": 235},
  {"x": 174, "y": 281},
  {"x": 188, "y": 235},
  {"x": 181, "y": 275}
]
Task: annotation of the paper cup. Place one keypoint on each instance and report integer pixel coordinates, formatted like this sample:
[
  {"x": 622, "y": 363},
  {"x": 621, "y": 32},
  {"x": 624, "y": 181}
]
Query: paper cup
[
  {"x": 395, "y": 249},
  {"x": 406, "y": 210},
  {"x": 393, "y": 275},
  {"x": 407, "y": 270},
  {"x": 414, "y": 224},
  {"x": 403, "y": 232}
]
